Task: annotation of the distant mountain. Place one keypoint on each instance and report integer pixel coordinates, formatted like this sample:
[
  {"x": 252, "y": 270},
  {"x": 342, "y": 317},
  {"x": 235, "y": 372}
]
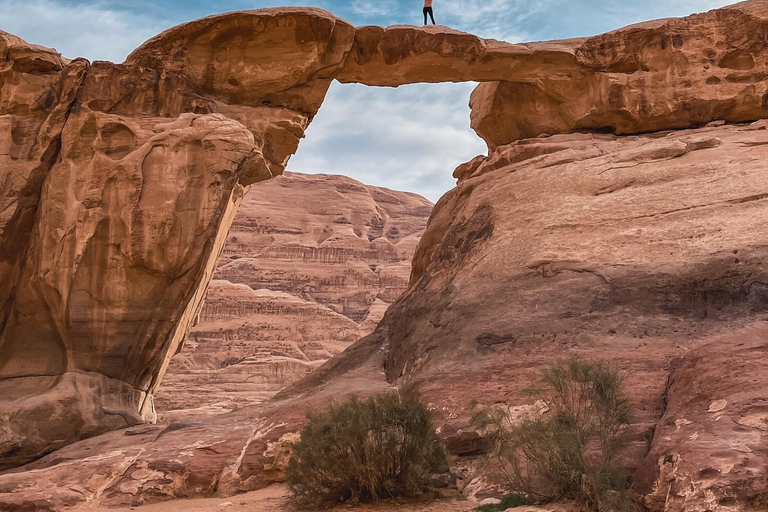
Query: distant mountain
[{"x": 311, "y": 264}]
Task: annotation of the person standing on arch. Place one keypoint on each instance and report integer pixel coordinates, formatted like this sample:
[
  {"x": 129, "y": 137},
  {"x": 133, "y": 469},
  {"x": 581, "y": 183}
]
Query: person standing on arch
[{"x": 428, "y": 10}]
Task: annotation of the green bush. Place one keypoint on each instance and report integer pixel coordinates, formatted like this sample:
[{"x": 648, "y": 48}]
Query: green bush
[
  {"x": 366, "y": 450},
  {"x": 570, "y": 452}
]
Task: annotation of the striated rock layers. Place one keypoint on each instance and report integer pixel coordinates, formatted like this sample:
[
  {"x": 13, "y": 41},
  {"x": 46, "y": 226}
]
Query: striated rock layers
[
  {"x": 121, "y": 181},
  {"x": 310, "y": 265}
]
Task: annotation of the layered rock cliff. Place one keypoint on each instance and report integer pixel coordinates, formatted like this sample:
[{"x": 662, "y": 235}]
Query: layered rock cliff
[
  {"x": 310, "y": 266},
  {"x": 646, "y": 250}
]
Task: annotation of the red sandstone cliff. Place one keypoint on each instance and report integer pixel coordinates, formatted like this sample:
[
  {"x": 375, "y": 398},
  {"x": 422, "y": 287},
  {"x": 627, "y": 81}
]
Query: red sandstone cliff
[{"x": 310, "y": 266}]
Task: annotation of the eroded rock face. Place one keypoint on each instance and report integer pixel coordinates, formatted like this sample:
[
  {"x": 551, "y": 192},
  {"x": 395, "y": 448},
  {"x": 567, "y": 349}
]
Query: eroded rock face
[
  {"x": 123, "y": 181},
  {"x": 310, "y": 265},
  {"x": 34, "y": 111},
  {"x": 645, "y": 251},
  {"x": 638, "y": 250},
  {"x": 670, "y": 74},
  {"x": 278, "y": 57},
  {"x": 709, "y": 449}
]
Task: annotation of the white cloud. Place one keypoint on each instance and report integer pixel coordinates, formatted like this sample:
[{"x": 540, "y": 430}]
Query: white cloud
[
  {"x": 408, "y": 138},
  {"x": 94, "y": 31},
  {"x": 373, "y": 8},
  {"x": 506, "y": 20}
]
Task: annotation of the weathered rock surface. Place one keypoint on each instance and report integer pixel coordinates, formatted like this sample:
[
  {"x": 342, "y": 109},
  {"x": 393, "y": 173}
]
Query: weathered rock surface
[
  {"x": 639, "y": 250},
  {"x": 660, "y": 75},
  {"x": 648, "y": 251},
  {"x": 709, "y": 450},
  {"x": 121, "y": 183},
  {"x": 310, "y": 265}
]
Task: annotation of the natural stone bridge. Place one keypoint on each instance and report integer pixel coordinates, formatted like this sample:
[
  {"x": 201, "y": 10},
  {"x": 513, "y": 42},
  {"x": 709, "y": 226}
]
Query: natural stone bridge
[{"x": 119, "y": 182}]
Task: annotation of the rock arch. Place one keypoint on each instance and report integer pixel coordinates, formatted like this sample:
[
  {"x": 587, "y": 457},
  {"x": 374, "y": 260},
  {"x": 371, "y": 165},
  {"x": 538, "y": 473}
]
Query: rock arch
[{"x": 121, "y": 180}]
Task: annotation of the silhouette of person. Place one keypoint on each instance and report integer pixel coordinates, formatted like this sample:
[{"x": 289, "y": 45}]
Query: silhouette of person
[{"x": 428, "y": 10}]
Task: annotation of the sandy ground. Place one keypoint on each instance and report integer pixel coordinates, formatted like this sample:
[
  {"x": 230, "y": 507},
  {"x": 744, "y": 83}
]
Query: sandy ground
[{"x": 275, "y": 499}]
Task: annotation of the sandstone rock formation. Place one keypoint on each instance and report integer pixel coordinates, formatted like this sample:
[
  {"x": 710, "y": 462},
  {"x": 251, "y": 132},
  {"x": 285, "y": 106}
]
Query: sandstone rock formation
[
  {"x": 661, "y": 75},
  {"x": 709, "y": 449},
  {"x": 310, "y": 266},
  {"x": 121, "y": 183},
  {"x": 639, "y": 250},
  {"x": 645, "y": 250}
]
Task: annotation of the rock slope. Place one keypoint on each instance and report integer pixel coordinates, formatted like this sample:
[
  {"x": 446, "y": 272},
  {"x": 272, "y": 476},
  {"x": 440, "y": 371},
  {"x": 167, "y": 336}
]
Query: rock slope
[
  {"x": 646, "y": 251},
  {"x": 310, "y": 265}
]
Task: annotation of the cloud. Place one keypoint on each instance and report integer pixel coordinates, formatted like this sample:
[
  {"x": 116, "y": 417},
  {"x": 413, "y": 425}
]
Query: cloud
[
  {"x": 94, "y": 31},
  {"x": 408, "y": 138},
  {"x": 561, "y": 19},
  {"x": 374, "y": 8},
  {"x": 506, "y": 20}
]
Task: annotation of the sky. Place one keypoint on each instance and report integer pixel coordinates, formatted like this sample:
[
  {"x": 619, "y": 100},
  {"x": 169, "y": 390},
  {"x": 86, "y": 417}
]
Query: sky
[{"x": 409, "y": 138}]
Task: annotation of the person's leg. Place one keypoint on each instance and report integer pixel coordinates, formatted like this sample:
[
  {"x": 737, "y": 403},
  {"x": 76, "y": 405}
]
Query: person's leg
[
  {"x": 431, "y": 15},
  {"x": 424, "y": 10}
]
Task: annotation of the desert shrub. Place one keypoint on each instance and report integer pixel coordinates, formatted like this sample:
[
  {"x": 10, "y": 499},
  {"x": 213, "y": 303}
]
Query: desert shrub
[
  {"x": 570, "y": 452},
  {"x": 365, "y": 450},
  {"x": 507, "y": 502}
]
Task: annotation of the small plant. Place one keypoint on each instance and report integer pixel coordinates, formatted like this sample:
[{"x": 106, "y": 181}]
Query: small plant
[
  {"x": 569, "y": 453},
  {"x": 507, "y": 502},
  {"x": 383, "y": 447}
]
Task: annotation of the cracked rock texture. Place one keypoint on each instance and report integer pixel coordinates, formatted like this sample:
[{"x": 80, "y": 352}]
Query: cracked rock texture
[
  {"x": 709, "y": 450},
  {"x": 120, "y": 183},
  {"x": 646, "y": 251},
  {"x": 309, "y": 267}
]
